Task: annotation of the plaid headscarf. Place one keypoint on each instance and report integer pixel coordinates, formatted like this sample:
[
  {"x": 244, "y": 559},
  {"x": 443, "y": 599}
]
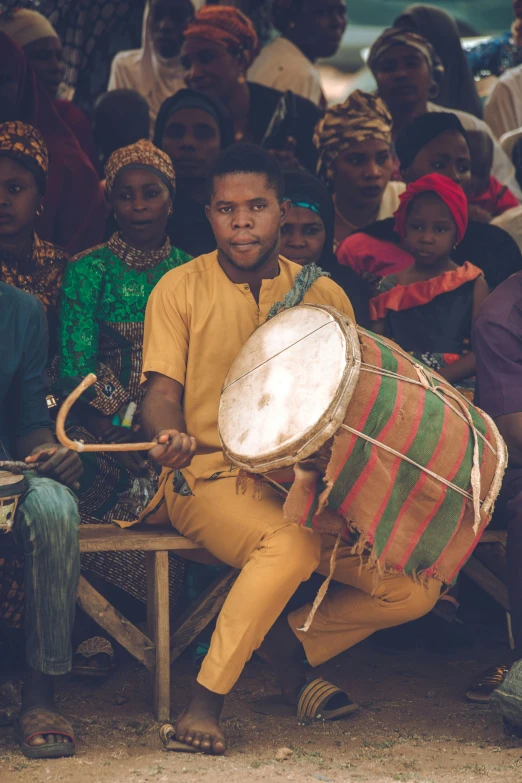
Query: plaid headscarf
[
  {"x": 396, "y": 37},
  {"x": 360, "y": 118},
  {"x": 143, "y": 154},
  {"x": 227, "y": 26},
  {"x": 23, "y": 143}
]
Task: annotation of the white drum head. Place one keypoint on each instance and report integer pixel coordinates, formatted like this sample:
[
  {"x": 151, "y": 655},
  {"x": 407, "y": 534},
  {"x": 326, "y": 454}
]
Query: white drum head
[{"x": 288, "y": 388}]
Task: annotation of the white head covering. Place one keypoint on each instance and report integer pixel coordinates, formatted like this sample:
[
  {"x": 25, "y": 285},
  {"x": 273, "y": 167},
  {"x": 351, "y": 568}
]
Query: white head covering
[
  {"x": 25, "y": 26},
  {"x": 143, "y": 70}
]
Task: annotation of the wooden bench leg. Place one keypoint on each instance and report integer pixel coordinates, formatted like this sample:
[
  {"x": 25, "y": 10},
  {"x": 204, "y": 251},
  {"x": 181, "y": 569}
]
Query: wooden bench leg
[
  {"x": 510, "y": 631},
  {"x": 121, "y": 629},
  {"x": 158, "y": 622},
  {"x": 200, "y": 613},
  {"x": 482, "y": 576}
]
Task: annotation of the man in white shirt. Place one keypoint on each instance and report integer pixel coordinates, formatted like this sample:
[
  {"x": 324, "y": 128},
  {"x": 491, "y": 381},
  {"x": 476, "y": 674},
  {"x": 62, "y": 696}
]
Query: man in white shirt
[
  {"x": 503, "y": 111},
  {"x": 511, "y": 221},
  {"x": 309, "y": 29}
]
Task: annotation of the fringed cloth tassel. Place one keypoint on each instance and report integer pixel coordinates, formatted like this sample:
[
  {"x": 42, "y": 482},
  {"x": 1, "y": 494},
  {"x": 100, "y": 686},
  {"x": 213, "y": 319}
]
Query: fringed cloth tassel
[
  {"x": 323, "y": 589},
  {"x": 242, "y": 481}
]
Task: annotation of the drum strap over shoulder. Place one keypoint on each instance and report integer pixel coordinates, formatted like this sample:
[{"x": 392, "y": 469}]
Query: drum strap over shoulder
[{"x": 302, "y": 284}]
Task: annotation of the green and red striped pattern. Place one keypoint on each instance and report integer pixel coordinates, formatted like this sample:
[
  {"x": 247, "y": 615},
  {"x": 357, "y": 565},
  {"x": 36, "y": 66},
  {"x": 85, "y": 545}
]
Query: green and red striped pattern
[{"x": 409, "y": 521}]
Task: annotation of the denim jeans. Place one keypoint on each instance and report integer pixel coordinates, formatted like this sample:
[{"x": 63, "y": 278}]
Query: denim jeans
[{"x": 45, "y": 531}]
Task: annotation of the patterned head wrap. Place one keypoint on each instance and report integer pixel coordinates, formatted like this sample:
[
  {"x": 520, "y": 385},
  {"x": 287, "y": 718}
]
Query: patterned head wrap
[
  {"x": 444, "y": 187},
  {"x": 142, "y": 155},
  {"x": 23, "y": 143},
  {"x": 396, "y": 37},
  {"x": 227, "y": 26},
  {"x": 360, "y": 118}
]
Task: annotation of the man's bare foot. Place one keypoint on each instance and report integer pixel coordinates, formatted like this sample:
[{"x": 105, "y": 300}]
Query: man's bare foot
[
  {"x": 284, "y": 652},
  {"x": 38, "y": 691},
  {"x": 198, "y": 724}
]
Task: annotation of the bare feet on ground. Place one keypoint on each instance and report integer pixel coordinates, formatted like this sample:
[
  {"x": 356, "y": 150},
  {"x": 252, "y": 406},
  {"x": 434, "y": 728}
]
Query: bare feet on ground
[{"x": 198, "y": 724}]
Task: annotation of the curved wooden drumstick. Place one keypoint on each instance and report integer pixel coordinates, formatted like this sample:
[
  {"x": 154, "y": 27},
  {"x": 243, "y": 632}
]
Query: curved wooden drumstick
[{"x": 75, "y": 445}]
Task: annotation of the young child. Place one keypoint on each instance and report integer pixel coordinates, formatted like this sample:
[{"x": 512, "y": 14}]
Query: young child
[
  {"x": 428, "y": 308},
  {"x": 485, "y": 192}
]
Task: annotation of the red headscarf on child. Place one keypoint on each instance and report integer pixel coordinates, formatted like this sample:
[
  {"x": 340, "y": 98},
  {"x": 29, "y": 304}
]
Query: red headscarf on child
[{"x": 444, "y": 187}]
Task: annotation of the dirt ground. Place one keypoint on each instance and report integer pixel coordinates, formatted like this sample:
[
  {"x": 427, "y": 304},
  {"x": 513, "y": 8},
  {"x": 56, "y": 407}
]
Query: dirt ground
[{"x": 414, "y": 725}]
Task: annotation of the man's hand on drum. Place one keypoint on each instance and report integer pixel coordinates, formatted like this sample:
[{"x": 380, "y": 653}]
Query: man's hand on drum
[
  {"x": 174, "y": 450},
  {"x": 58, "y": 463}
]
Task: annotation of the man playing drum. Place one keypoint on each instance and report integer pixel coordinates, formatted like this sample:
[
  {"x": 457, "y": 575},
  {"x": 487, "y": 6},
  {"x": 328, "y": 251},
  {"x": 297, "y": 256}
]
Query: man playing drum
[
  {"x": 198, "y": 317},
  {"x": 45, "y": 528}
]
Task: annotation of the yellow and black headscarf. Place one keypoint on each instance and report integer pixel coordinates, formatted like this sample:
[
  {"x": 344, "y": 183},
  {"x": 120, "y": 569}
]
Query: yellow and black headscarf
[{"x": 360, "y": 118}]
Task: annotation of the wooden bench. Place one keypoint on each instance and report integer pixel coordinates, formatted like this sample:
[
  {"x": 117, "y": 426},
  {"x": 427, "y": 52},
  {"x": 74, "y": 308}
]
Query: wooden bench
[
  {"x": 482, "y": 575},
  {"x": 162, "y": 645}
]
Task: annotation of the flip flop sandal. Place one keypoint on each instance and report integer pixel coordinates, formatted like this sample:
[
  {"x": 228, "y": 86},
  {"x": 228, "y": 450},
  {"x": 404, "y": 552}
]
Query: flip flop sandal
[
  {"x": 93, "y": 658},
  {"x": 40, "y": 721},
  {"x": 482, "y": 686},
  {"x": 318, "y": 700},
  {"x": 182, "y": 747},
  {"x": 168, "y": 737}
]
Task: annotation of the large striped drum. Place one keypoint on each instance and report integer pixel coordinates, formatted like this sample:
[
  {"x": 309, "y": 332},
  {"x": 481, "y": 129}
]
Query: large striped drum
[{"x": 384, "y": 451}]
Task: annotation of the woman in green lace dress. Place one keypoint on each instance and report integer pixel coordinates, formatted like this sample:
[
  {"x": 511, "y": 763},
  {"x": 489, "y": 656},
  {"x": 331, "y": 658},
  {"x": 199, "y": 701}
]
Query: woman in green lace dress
[{"x": 104, "y": 295}]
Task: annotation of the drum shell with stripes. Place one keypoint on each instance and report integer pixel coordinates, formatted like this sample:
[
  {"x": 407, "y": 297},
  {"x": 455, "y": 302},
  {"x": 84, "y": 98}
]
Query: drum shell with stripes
[
  {"x": 399, "y": 456},
  {"x": 411, "y": 520}
]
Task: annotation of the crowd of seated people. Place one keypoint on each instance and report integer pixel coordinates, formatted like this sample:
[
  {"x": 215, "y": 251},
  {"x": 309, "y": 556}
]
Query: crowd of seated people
[{"x": 118, "y": 212}]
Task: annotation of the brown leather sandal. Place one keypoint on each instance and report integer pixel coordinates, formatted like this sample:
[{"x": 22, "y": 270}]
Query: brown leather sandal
[
  {"x": 40, "y": 721},
  {"x": 318, "y": 700},
  {"x": 93, "y": 658},
  {"x": 484, "y": 683}
]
